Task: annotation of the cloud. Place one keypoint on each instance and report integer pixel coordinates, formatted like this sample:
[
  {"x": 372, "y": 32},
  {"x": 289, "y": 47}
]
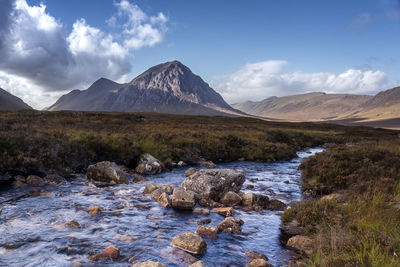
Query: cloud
[
  {"x": 361, "y": 21},
  {"x": 38, "y": 55},
  {"x": 257, "y": 81}
]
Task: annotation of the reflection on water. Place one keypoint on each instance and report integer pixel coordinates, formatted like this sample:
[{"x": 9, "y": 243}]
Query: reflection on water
[{"x": 32, "y": 231}]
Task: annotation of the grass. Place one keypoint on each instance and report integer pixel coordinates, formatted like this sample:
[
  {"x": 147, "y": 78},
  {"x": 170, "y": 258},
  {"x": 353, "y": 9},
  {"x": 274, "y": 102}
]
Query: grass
[{"x": 362, "y": 228}]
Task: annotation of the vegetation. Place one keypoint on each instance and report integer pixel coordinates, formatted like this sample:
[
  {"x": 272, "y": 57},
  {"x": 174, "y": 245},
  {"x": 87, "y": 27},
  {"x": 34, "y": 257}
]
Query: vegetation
[
  {"x": 32, "y": 141},
  {"x": 361, "y": 225}
]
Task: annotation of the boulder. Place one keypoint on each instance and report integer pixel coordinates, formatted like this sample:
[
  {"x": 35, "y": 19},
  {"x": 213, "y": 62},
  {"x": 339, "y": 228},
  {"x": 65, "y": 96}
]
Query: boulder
[
  {"x": 95, "y": 210},
  {"x": 198, "y": 264},
  {"x": 290, "y": 229},
  {"x": 190, "y": 171},
  {"x": 178, "y": 256},
  {"x": 164, "y": 200},
  {"x": 54, "y": 179},
  {"x": 182, "y": 199},
  {"x": 18, "y": 183},
  {"x": 226, "y": 212},
  {"x": 151, "y": 187},
  {"x": 190, "y": 242},
  {"x": 106, "y": 173},
  {"x": 231, "y": 199},
  {"x": 34, "y": 180},
  {"x": 149, "y": 165},
  {"x": 208, "y": 164},
  {"x": 109, "y": 253},
  {"x": 72, "y": 224},
  {"x": 258, "y": 263},
  {"x": 301, "y": 244},
  {"x": 204, "y": 221},
  {"x": 149, "y": 264},
  {"x": 259, "y": 202},
  {"x": 207, "y": 231},
  {"x": 230, "y": 225},
  {"x": 255, "y": 255},
  {"x": 214, "y": 183},
  {"x": 202, "y": 211}
]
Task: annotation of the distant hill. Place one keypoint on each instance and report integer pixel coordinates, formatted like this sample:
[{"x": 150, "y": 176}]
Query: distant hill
[
  {"x": 11, "y": 102},
  {"x": 166, "y": 88},
  {"x": 305, "y": 107}
]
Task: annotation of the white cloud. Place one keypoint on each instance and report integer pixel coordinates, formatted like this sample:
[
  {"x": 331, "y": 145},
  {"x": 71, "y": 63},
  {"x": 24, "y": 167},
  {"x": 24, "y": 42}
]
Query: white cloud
[
  {"x": 361, "y": 21},
  {"x": 39, "y": 57},
  {"x": 261, "y": 80}
]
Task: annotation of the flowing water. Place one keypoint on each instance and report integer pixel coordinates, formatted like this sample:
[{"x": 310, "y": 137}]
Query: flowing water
[{"x": 32, "y": 231}]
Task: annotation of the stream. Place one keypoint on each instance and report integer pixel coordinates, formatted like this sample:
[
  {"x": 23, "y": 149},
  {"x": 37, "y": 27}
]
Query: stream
[{"x": 32, "y": 231}]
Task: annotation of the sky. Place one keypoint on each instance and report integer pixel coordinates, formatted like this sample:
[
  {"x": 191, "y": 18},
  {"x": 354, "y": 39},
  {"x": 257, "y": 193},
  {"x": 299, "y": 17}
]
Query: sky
[{"x": 246, "y": 50}]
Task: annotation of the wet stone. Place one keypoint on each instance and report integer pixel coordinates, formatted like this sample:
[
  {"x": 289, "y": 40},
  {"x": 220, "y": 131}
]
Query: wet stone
[
  {"x": 149, "y": 264},
  {"x": 182, "y": 199},
  {"x": 178, "y": 256},
  {"x": 190, "y": 242},
  {"x": 204, "y": 221},
  {"x": 198, "y": 264},
  {"x": 109, "y": 253},
  {"x": 72, "y": 224},
  {"x": 230, "y": 225},
  {"x": 202, "y": 211},
  {"x": 95, "y": 210},
  {"x": 258, "y": 263},
  {"x": 226, "y": 212},
  {"x": 207, "y": 231},
  {"x": 164, "y": 200}
]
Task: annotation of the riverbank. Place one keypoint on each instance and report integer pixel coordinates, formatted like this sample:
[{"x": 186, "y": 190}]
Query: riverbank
[{"x": 354, "y": 219}]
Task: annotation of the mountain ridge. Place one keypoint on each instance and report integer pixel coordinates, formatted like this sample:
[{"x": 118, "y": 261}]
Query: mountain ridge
[{"x": 9, "y": 101}]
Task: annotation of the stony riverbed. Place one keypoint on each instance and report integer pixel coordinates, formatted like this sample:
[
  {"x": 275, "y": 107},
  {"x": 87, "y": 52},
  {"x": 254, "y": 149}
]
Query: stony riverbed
[{"x": 32, "y": 230}]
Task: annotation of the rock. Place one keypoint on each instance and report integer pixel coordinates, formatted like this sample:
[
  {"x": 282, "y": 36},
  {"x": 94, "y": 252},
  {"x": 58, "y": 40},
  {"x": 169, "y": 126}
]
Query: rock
[
  {"x": 181, "y": 163},
  {"x": 106, "y": 173},
  {"x": 18, "y": 184},
  {"x": 34, "y": 180},
  {"x": 149, "y": 188},
  {"x": 256, "y": 255},
  {"x": 109, "y": 253},
  {"x": 190, "y": 242},
  {"x": 164, "y": 200},
  {"x": 137, "y": 178},
  {"x": 156, "y": 193},
  {"x": 287, "y": 182},
  {"x": 250, "y": 186},
  {"x": 19, "y": 178},
  {"x": 226, "y": 212},
  {"x": 258, "y": 263},
  {"x": 178, "y": 256},
  {"x": 208, "y": 164},
  {"x": 231, "y": 199},
  {"x": 202, "y": 211},
  {"x": 95, "y": 210},
  {"x": 182, "y": 199},
  {"x": 149, "y": 165},
  {"x": 190, "y": 171},
  {"x": 155, "y": 190},
  {"x": 198, "y": 264},
  {"x": 207, "y": 231},
  {"x": 290, "y": 229},
  {"x": 258, "y": 202},
  {"x": 204, "y": 221},
  {"x": 125, "y": 238},
  {"x": 149, "y": 264},
  {"x": 301, "y": 244},
  {"x": 54, "y": 179},
  {"x": 230, "y": 225},
  {"x": 214, "y": 183},
  {"x": 72, "y": 224}
]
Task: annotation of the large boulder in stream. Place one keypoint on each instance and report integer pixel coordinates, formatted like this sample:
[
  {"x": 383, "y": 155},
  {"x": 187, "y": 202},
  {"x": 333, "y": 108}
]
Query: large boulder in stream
[
  {"x": 106, "y": 173},
  {"x": 183, "y": 199},
  {"x": 214, "y": 183},
  {"x": 149, "y": 165},
  {"x": 259, "y": 202},
  {"x": 190, "y": 242}
]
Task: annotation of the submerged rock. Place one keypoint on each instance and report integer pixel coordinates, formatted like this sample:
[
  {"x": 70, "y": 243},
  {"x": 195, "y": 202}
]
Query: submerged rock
[
  {"x": 256, "y": 255},
  {"x": 202, "y": 211},
  {"x": 190, "y": 242},
  {"x": 230, "y": 225},
  {"x": 106, "y": 173},
  {"x": 149, "y": 264},
  {"x": 109, "y": 253},
  {"x": 214, "y": 183},
  {"x": 95, "y": 210},
  {"x": 72, "y": 224},
  {"x": 198, "y": 264},
  {"x": 178, "y": 256},
  {"x": 149, "y": 165},
  {"x": 182, "y": 199},
  {"x": 258, "y": 263},
  {"x": 259, "y": 202}
]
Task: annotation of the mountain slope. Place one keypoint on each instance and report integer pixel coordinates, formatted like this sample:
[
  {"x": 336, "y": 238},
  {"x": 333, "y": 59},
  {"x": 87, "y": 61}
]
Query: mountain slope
[
  {"x": 306, "y": 107},
  {"x": 166, "y": 88},
  {"x": 11, "y": 102}
]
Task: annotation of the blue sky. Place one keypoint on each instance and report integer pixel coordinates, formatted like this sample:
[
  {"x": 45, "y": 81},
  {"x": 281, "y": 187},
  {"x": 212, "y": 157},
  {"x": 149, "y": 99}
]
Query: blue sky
[{"x": 245, "y": 49}]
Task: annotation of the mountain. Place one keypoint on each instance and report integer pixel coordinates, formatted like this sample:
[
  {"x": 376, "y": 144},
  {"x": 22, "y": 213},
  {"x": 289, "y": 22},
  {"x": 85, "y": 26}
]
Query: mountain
[
  {"x": 166, "y": 88},
  {"x": 382, "y": 110},
  {"x": 305, "y": 107},
  {"x": 11, "y": 102}
]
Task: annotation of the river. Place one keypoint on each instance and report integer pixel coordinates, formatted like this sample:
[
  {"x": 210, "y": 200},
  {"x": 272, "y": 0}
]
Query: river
[{"x": 32, "y": 231}]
